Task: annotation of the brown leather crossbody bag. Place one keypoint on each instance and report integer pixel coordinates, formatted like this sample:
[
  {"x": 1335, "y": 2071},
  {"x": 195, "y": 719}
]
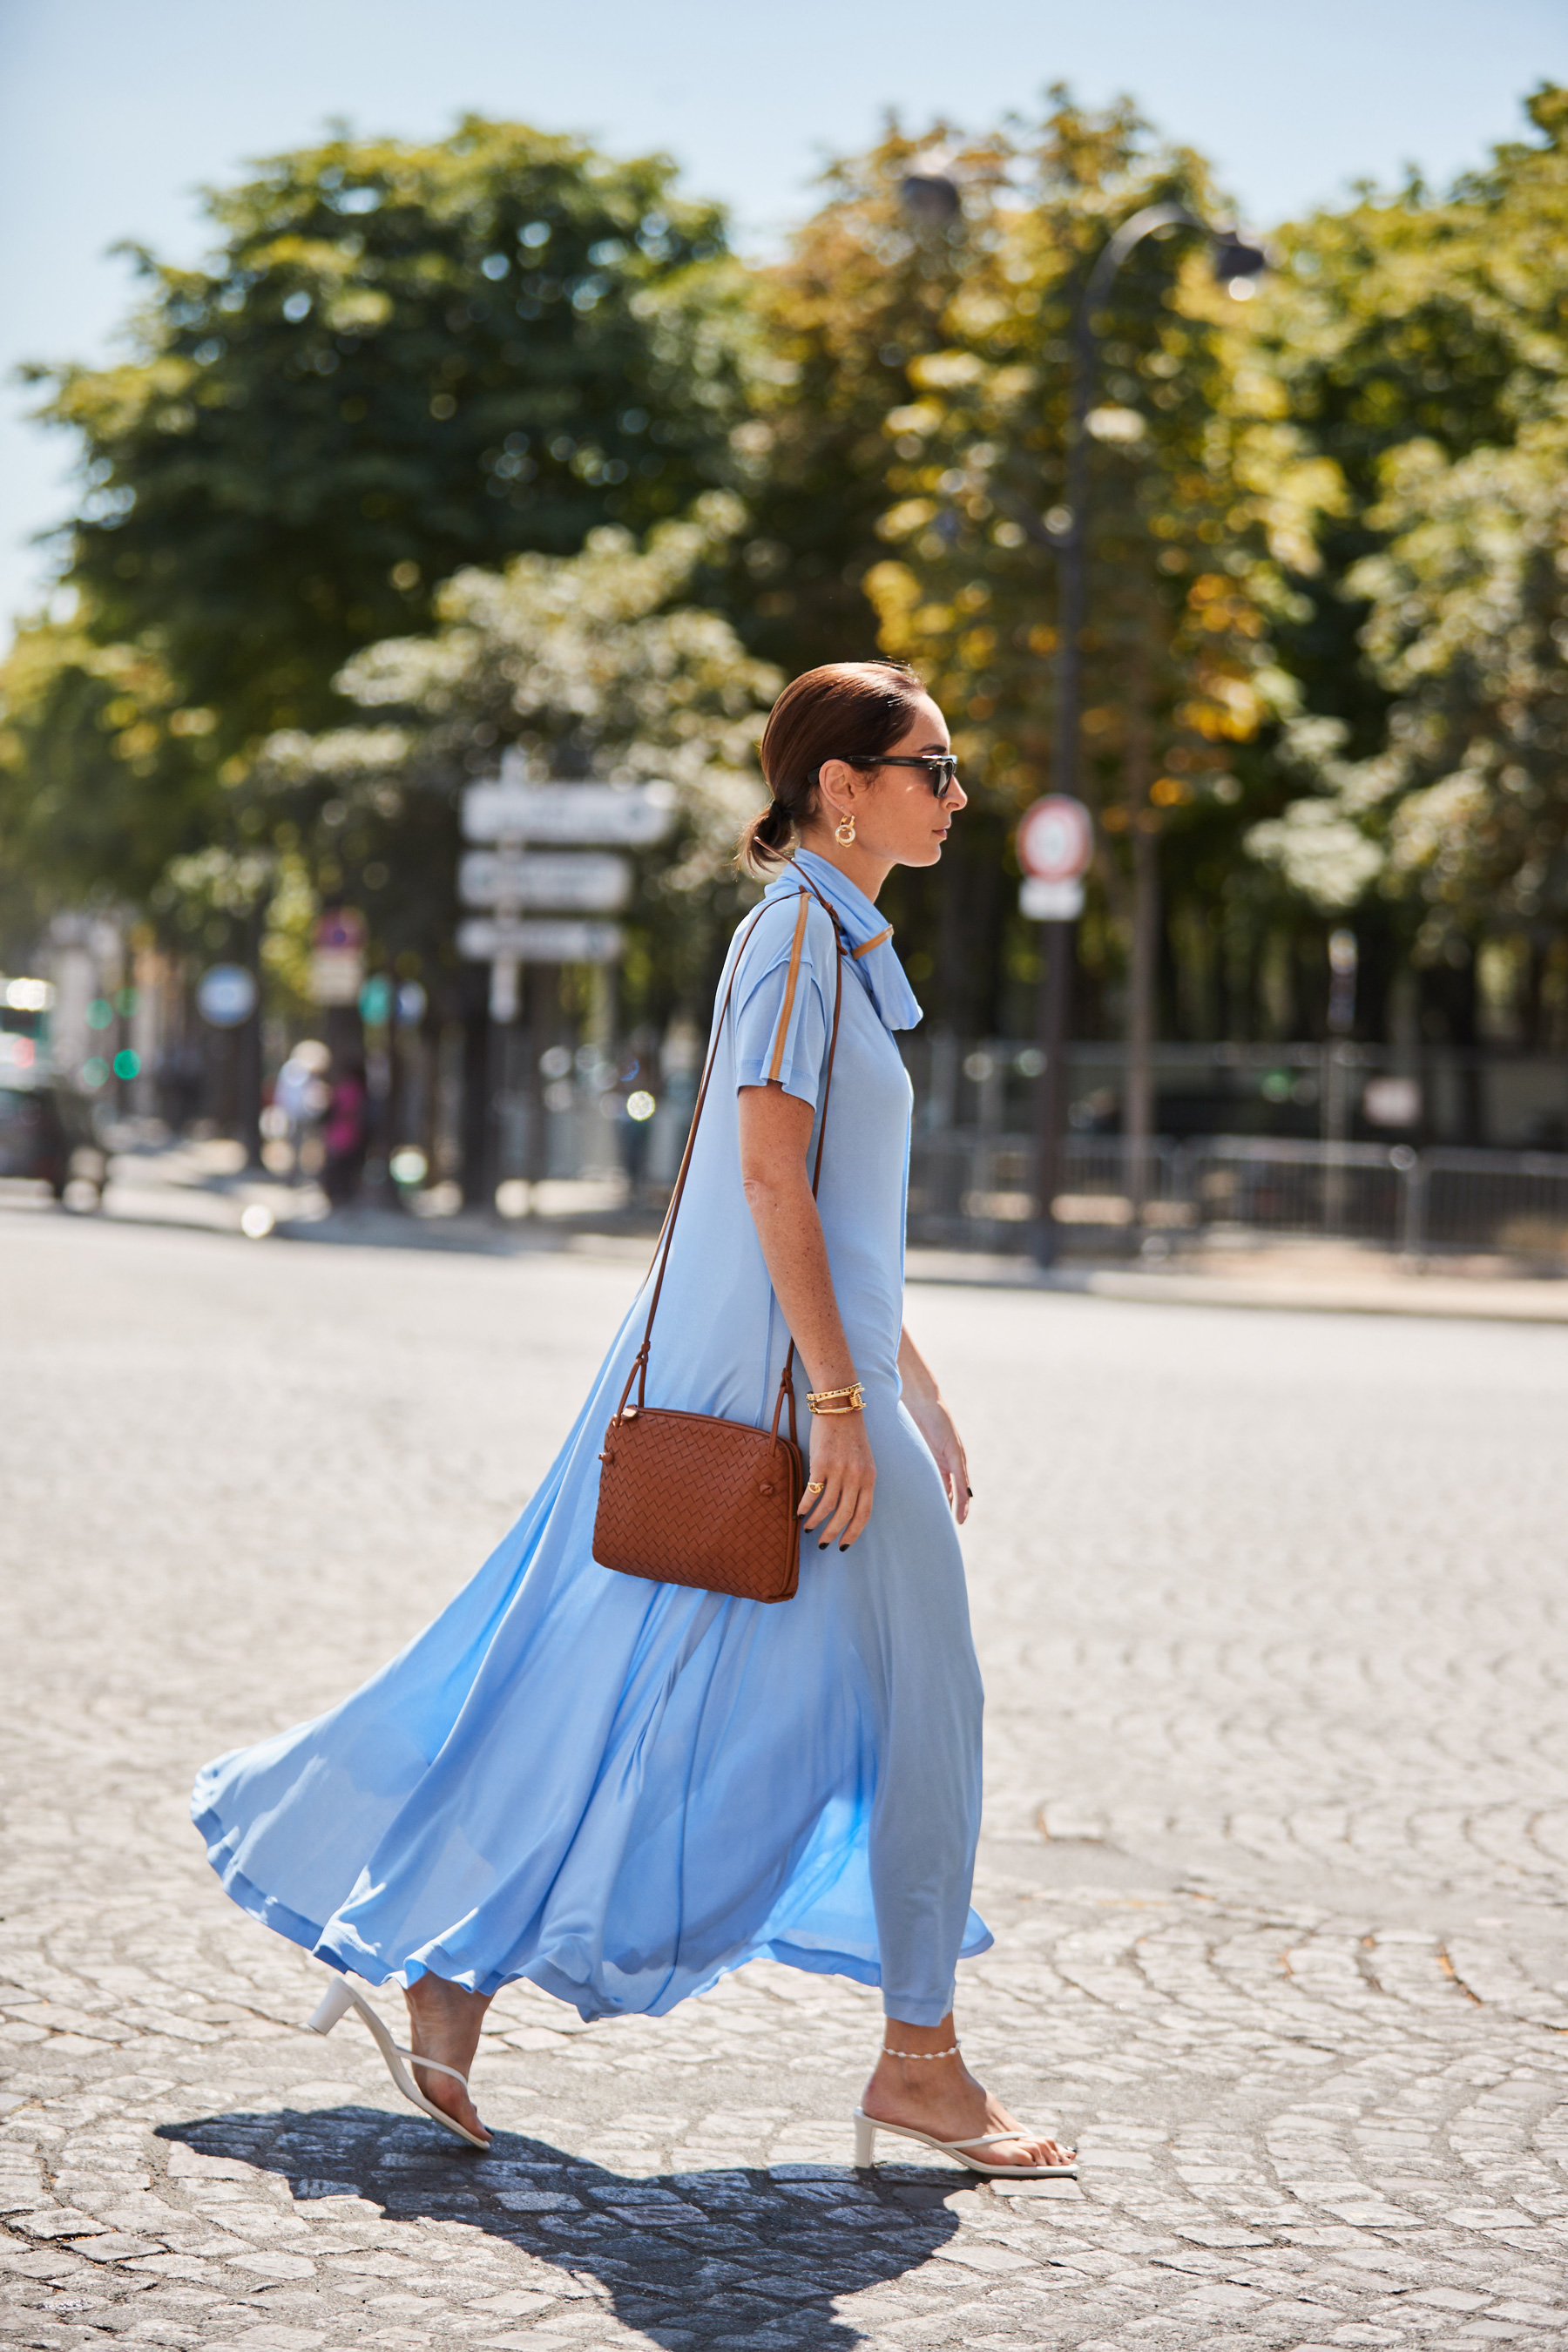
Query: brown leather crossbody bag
[{"x": 688, "y": 1497}]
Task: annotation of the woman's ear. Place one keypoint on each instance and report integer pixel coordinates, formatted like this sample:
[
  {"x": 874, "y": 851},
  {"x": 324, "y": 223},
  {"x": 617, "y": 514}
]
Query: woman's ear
[{"x": 836, "y": 786}]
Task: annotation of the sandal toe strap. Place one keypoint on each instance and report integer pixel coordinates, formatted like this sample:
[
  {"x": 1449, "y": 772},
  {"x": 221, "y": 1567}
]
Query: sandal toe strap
[{"x": 434, "y": 2066}]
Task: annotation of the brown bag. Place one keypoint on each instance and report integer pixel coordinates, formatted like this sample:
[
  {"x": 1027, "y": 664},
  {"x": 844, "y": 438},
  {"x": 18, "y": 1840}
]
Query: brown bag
[{"x": 688, "y": 1497}]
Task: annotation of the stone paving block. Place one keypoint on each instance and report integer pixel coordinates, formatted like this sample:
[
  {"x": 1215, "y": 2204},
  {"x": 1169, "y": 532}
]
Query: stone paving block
[{"x": 1275, "y": 1848}]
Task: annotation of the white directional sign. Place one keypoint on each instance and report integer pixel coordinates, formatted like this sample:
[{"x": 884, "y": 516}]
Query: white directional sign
[
  {"x": 577, "y": 882},
  {"x": 487, "y": 938},
  {"x": 631, "y": 816},
  {"x": 1049, "y": 902}
]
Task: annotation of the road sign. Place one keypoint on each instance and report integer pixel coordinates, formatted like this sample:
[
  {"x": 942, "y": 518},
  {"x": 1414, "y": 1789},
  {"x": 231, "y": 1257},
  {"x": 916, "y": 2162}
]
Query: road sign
[
  {"x": 1056, "y": 839},
  {"x": 631, "y": 816},
  {"x": 226, "y": 995},
  {"x": 337, "y": 957},
  {"x": 375, "y": 1001},
  {"x": 582, "y": 881},
  {"x": 486, "y": 937},
  {"x": 1051, "y": 902}
]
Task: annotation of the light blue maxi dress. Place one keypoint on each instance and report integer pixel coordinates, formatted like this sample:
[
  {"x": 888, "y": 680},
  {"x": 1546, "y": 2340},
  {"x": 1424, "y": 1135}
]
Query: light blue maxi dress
[{"x": 621, "y": 1790}]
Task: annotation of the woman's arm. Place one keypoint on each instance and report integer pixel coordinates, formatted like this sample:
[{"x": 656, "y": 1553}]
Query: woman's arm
[
  {"x": 934, "y": 1421},
  {"x": 775, "y": 1136}
]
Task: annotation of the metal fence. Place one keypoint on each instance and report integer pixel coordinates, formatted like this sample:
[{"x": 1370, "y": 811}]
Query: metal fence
[{"x": 969, "y": 1191}]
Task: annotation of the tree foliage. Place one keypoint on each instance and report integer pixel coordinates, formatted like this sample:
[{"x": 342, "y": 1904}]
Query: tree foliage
[
  {"x": 400, "y": 360},
  {"x": 1421, "y": 345},
  {"x": 593, "y": 664},
  {"x": 1325, "y": 650}
]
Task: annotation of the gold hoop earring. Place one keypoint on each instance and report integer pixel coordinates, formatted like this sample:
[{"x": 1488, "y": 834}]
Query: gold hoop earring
[{"x": 844, "y": 831}]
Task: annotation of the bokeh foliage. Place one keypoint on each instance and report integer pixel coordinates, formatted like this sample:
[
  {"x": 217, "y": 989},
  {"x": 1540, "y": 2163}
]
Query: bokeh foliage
[
  {"x": 593, "y": 666},
  {"x": 1325, "y": 656}
]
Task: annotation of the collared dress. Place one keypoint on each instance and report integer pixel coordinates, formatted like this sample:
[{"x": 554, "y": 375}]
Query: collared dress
[{"x": 620, "y": 1789}]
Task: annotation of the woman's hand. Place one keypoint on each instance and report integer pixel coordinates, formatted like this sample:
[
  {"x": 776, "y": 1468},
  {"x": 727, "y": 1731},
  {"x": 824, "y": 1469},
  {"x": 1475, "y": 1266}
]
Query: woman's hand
[
  {"x": 923, "y": 1402},
  {"x": 841, "y": 1457},
  {"x": 934, "y": 1421}
]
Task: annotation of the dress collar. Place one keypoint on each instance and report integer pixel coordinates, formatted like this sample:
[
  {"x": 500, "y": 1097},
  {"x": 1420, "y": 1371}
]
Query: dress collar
[{"x": 872, "y": 952}]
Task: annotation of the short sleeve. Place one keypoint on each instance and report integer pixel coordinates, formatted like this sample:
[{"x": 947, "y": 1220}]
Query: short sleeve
[{"x": 782, "y": 995}]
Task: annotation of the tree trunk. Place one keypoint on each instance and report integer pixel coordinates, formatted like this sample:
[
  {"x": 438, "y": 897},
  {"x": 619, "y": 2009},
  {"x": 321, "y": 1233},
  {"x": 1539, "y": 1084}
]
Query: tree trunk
[{"x": 475, "y": 1174}]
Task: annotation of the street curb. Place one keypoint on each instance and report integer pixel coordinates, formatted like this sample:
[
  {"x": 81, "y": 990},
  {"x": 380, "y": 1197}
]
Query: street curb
[{"x": 1439, "y": 1298}]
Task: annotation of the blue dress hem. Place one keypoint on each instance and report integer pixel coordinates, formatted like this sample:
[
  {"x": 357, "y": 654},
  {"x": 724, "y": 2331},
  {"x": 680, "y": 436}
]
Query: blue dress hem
[{"x": 357, "y": 1959}]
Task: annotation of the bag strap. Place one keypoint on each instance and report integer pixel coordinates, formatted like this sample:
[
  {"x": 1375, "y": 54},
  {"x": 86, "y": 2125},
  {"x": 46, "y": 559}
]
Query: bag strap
[{"x": 639, "y": 1372}]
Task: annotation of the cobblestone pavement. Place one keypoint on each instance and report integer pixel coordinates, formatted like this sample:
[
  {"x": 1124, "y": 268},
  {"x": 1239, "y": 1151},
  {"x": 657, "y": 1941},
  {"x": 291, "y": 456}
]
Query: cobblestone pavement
[{"x": 1277, "y": 1840}]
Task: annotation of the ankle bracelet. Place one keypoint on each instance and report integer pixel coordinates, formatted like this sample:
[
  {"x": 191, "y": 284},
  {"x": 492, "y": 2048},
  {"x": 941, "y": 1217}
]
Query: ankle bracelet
[{"x": 920, "y": 2054}]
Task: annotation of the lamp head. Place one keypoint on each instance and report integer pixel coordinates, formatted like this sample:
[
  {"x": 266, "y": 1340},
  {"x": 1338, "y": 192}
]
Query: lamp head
[
  {"x": 929, "y": 192},
  {"x": 1238, "y": 263}
]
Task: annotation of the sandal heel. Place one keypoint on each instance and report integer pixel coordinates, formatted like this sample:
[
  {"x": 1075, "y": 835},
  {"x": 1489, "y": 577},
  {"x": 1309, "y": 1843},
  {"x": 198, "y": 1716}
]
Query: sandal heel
[
  {"x": 335, "y": 2003},
  {"x": 864, "y": 2143}
]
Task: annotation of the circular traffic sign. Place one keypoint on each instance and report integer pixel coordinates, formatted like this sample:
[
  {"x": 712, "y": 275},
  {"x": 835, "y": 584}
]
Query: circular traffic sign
[
  {"x": 1056, "y": 839},
  {"x": 226, "y": 995}
]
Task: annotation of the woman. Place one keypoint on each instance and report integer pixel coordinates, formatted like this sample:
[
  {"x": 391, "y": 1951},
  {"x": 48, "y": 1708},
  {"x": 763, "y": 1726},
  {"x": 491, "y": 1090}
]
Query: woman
[{"x": 620, "y": 1789}]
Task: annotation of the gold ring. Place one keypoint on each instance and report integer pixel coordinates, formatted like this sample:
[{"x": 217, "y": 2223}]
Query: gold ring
[{"x": 815, "y": 1485}]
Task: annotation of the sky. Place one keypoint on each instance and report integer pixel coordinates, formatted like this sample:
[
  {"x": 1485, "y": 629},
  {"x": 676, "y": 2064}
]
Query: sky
[{"x": 112, "y": 117}]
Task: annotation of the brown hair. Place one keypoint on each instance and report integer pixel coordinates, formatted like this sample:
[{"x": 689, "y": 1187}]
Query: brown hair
[{"x": 845, "y": 710}]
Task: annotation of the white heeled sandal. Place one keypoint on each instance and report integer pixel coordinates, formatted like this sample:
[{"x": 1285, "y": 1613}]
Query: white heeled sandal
[
  {"x": 337, "y": 2001},
  {"x": 867, "y": 2127}
]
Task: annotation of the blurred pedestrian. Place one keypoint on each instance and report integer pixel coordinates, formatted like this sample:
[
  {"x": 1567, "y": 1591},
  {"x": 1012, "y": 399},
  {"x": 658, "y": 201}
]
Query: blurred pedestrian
[
  {"x": 344, "y": 1135},
  {"x": 618, "y": 1788},
  {"x": 301, "y": 1094}
]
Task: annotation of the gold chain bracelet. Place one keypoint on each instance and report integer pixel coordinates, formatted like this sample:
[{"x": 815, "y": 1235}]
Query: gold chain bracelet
[{"x": 826, "y": 1401}]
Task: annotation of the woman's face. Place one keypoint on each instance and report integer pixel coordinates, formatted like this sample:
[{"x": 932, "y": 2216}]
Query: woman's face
[{"x": 898, "y": 819}]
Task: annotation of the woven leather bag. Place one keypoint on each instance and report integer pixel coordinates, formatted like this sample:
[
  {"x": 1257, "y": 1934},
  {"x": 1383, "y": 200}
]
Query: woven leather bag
[{"x": 689, "y": 1497}]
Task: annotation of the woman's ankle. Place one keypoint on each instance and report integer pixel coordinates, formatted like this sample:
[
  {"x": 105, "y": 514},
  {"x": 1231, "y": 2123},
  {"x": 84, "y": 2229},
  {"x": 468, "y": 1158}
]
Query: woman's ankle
[{"x": 922, "y": 2045}]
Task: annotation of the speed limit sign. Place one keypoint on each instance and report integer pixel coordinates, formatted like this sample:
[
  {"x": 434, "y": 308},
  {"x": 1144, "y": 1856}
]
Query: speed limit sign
[{"x": 1056, "y": 839}]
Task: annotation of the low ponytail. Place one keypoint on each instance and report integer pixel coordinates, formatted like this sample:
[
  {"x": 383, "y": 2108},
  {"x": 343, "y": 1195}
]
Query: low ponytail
[
  {"x": 766, "y": 840},
  {"x": 845, "y": 710}
]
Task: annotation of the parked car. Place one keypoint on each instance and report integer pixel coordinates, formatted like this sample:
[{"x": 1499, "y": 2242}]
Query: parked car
[{"x": 46, "y": 1134}]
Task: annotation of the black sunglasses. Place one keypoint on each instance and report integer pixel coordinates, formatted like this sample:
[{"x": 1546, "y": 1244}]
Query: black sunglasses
[{"x": 941, "y": 767}]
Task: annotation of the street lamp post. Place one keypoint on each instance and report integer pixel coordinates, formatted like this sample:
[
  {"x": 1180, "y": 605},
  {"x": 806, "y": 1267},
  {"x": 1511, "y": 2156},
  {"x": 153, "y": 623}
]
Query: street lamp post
[
  {"x": 932, "y": 199},
  {"x": 1236, "y": 262}
]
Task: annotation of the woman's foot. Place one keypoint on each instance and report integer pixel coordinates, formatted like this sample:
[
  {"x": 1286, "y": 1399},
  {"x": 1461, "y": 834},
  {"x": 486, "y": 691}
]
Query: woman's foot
[
  {"x": 444, "y": 2022},
  {"x": 940, "y": 2096}
]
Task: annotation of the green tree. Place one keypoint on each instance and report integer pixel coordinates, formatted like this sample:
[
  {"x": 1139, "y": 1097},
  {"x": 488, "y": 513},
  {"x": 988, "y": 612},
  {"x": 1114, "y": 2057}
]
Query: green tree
[
  {"x": 594, "y": 664},
  {"x": 1177, "y": 675},
  {"x": 1462, "y": 813},
  {"x": 858, "y": 299},
  {"x": 1420, "y": 344},
  {"x": 403, "y": 359},
  {"x": 101, "y": 769}
]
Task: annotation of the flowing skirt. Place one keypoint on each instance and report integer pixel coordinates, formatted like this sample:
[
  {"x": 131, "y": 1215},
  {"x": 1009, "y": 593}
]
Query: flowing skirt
[{"x": 620, "y": 1789}]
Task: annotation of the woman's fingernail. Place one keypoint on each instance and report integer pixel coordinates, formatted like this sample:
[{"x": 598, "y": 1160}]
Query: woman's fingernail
[
  {"x": 843, "y": 1547},
  {"x": 822, "y": 1547}
]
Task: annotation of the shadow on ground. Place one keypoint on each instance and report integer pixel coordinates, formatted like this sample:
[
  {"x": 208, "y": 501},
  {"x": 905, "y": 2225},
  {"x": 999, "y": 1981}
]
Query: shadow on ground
[{"x": 738, "y": 2257}]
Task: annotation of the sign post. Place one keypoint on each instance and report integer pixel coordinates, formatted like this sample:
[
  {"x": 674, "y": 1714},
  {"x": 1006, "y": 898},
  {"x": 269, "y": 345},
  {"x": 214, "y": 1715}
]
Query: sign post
[
  {"x": 544, "y": 868},
  {"x": 228, "y": 999},
  {"x": 1056, "y": 843},
  {"x": 337, "y": 957}
]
